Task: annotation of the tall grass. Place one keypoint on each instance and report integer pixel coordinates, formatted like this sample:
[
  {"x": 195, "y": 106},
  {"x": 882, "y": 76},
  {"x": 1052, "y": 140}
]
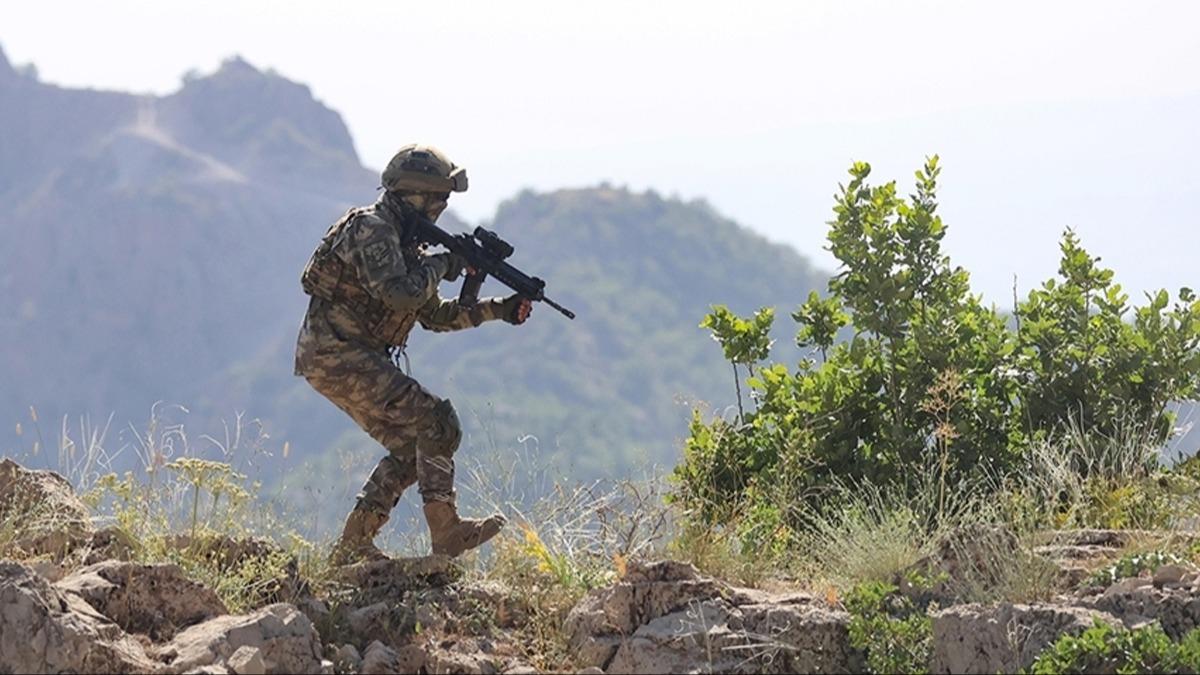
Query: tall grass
[{"x": 175, "y": 496}]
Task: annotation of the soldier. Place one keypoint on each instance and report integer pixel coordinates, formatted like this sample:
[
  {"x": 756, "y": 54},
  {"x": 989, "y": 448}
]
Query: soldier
[{"x": 370, "y": 283}]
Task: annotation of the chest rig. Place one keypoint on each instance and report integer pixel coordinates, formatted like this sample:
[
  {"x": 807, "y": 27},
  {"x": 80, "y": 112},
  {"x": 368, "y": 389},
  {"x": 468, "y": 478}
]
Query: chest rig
[{"x": 328, "y": 277}]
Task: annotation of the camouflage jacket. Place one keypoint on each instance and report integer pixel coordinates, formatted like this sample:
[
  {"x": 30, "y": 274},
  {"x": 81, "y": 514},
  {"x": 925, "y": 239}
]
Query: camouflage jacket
[{"x": 369, "y": 289}]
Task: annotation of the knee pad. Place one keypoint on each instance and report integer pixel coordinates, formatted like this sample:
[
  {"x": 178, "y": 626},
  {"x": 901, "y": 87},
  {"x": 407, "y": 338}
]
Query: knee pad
[{"x": 448, "y": 428}]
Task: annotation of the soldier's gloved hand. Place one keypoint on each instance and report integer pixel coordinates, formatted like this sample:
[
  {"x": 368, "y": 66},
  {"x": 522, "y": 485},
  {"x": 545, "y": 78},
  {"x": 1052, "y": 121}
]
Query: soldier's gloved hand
[
  {"x": 454, "y": 265},
  {"x": 515, "y": 309}
]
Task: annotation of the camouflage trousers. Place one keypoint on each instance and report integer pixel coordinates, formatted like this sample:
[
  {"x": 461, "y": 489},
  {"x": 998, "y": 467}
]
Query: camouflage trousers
[{"x": 419, "y": 430}]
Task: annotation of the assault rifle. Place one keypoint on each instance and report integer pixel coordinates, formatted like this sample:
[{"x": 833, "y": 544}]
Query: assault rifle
[{"x": 485, "y": 253}]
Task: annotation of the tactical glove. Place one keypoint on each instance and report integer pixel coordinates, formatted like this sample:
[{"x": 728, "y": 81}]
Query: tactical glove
[
  {"x": 454, "y": 264},
  {"x": 515, "y": 309}
]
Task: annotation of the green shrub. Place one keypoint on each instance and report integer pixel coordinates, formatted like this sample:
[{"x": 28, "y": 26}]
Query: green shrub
[
  {"x": 1106, "y": 649},
  {"x": 932, "y": 379},
  {"x": 895, "y": 634}
]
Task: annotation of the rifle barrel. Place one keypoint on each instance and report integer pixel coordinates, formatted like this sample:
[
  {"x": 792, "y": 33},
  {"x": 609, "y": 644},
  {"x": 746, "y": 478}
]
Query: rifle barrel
[{"x": 566, "y": 312}]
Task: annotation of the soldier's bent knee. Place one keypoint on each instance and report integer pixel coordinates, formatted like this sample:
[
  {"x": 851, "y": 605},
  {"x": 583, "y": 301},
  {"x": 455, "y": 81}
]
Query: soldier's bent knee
[{"x": 449, "y": 430}]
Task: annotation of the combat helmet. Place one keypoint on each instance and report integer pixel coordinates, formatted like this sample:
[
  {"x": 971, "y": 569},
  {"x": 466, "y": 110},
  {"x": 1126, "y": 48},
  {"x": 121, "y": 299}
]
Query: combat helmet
[{"x": 423, "y": 168}]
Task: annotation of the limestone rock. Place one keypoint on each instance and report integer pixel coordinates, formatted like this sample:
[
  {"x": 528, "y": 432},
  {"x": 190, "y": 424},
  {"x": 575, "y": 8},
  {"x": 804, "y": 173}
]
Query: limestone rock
[
  {"x": 48, "y": 569},
  {"x": 798, "y": 634},
  {"x": 347, "y": 659},
  {"x": 315, "y": 609},
  {"x": 388, "y": 621},
  {"x": 600, "y": 622},
  {"x": 1177, "y": 610},
  {"x": 154, "y": 600},
  {"x": 285, "y": 637},
  {"x": 1002, "y": 638},
  {"x": 53, "y": 519},
  {"x": 394, "y": 576},
  {"x": 247, "y": 660},
  {"x": 411, "y": 658},
  {"x": 665, "y": 617},
  {"x": 716, "y": 635},
  {"x": 379, "y": 658},
  {"x": 45, "y": 630},
  {"x": 1169, "y": 574},
  {"x": 1127, "y": 586},
  {"x": 467, "y": 662}
]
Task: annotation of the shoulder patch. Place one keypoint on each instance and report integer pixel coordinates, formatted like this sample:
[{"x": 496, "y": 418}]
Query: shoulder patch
[{"x": 378, "y": 254}]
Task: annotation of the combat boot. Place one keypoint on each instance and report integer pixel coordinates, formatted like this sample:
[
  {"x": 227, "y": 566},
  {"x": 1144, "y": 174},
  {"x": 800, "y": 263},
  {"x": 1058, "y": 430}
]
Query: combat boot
[
  {"x": 357, "y": 542},
  {"x": 451, "y": 535}
]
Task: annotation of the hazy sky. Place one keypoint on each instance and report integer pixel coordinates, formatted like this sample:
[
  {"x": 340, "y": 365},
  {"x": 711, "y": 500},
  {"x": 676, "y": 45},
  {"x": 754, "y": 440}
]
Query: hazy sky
[{"x": 1045, "y": 114}]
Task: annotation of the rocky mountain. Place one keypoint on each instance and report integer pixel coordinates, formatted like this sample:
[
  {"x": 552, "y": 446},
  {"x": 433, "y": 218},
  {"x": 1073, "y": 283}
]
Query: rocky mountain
[
  {"x": 153, "y": 246},
  {"x": 146, "y": 237}
]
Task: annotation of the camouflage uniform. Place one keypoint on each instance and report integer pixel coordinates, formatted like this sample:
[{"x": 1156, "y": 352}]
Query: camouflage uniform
[{"x": 368, "y": 290}]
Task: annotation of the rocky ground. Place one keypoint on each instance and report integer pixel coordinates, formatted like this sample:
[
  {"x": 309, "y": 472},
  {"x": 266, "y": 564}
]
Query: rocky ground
[{"x": 102, "y": 612}]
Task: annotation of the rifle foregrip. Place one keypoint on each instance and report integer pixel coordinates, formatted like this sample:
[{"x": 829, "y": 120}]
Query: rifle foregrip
[{"x": 469, "y": 295}]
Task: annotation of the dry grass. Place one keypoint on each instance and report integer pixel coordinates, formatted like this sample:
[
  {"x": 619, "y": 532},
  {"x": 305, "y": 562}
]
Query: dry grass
[
  {"x": 561, "y": 542},
  {"x": 178, "y": 484}
]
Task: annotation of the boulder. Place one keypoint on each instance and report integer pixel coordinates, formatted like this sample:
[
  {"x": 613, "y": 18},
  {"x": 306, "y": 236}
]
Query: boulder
[
  {"x": 388, "y": 600},
  {"x": 411, "y": 659},
  {"x": 600, "y": 622},
  {"x": 1167, "y": 575},
  {"x": 388, "y": 621},
  {"x": 286, "y": 639},
  {"x": 155, "y": 600},
  {"x": 1002, "y": 638},
  {"x": 379, "y": 658},
  {"x": 1127, "y": 585},
  {"x": 53, "y": 521},
  {"x": 1177, "y": 610},
  {"x": 247, "y": 660},
  {"x": 346, "y": 659},
  {"x": 715, "y": 635},
  {"x": 44, "y": 630},
  {"x": 392, "y": 577},
  {"x": 667, "y": 618}
]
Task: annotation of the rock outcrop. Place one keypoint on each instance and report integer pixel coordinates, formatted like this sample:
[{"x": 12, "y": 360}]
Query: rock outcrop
[
  {"x": 1176, "y": 609},
  {"x": 1002, "y": 638},
  {"x": 665, "y": 617},
  {"x": 52, "y": 519},
  {"x": 44, "y": 630},
  {"x": 154, "y": 600},
  {"x": 284, "y": 638},
  {"x": 425, "y": 615}
]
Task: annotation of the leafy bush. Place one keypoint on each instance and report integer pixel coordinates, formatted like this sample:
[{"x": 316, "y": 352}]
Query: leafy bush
[
  {"x": 895, "y": 633},
  {"x": 1105, "y": 649},
  {"x": 931, "y": 379}
]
